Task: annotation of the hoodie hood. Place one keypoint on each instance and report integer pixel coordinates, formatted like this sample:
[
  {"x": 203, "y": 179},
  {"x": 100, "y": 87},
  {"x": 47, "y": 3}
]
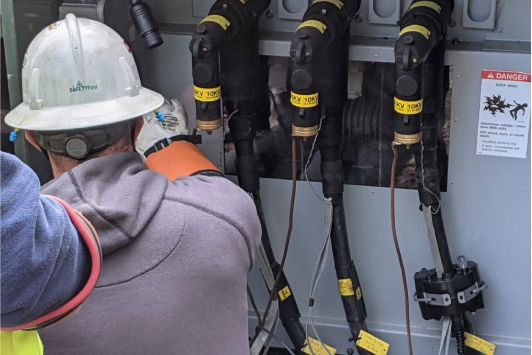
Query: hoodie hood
[{"x": 116, "y": 193}]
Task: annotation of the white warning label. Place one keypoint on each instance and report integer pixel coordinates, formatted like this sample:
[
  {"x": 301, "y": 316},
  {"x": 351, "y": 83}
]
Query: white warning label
[{"x": 504, "y": 116}]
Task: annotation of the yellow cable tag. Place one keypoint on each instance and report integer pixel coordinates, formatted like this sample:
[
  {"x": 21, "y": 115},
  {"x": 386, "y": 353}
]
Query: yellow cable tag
[
  {"x": 407, "y": 107},
  {"x": 372, "y": 344},
  {"x": 304, "y": 101},
  {"x": 358, "y": 293},
  {"x": 416, "y": 28},
  {"x": 207, "y": 94},
  {"x": 317, "y": 349},
  {"x": 429, "y": 4},
  {"x": 320, "y": 26},
  {"x": 479, "y": 344},
  {"x": 345, "y": 286},
  {"x": 284, "y": 293},
  {"x": 219, "y": 20},
  {"x": 336, "y": 3}
]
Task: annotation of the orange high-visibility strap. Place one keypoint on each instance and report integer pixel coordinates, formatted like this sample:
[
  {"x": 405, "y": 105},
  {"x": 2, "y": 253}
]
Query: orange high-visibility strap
[
  {"x": 179, "y": 159},
  {"x": 88, "y": 234}
]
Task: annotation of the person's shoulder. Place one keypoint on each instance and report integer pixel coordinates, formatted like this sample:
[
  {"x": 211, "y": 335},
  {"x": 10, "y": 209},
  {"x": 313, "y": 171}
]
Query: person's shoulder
[
  {"x": 219, "y": 197},
  {"x": 215, "y": 193}
]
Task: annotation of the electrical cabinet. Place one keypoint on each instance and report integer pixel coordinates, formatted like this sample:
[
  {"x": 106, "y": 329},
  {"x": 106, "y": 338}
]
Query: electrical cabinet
[{"x": 486, "y": 205}]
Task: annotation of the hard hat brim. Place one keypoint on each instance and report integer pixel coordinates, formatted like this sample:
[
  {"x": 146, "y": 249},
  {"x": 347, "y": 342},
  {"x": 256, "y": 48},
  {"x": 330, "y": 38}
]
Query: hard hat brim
[{"x": 87, "y": 115}]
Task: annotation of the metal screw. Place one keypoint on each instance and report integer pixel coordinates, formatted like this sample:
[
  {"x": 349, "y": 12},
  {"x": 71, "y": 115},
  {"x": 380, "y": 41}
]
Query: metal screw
[
  {"x": 452, "y": 182},
  {"x": 452, "y": 22},
  {"x": 458, "y": 76},
  {"x": 324, "y": 11},
  {"x": 358, "y": 19},
  {"x": 456, "y": 120},
  {"x": 375, "y": 55},
  {"x": 269, "y": 13}
]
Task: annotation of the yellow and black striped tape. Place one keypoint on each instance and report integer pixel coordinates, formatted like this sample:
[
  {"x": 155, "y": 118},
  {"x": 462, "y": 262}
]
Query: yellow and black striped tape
[
  {"x": 416, "y": 28},
  {"x": 320, "y": 26},
  {"x": 430, "y": 4},
  {"x": 336, "y": 3},
  {"x": 219, "y": 20}
]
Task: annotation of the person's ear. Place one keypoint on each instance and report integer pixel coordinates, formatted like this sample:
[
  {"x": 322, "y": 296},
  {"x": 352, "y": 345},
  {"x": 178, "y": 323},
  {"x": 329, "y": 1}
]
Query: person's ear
[
  {"x": 31, "y": 139},
  {"x": 138, "y": 126}
]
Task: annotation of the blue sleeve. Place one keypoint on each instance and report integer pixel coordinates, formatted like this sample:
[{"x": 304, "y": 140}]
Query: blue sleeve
[{"x": 44, "y": 262}]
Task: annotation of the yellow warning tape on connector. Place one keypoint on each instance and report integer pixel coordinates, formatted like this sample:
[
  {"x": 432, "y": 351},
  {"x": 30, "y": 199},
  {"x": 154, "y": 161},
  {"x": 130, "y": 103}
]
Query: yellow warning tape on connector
[
  {"x": 207, "y": 94},
  {"x": 372, "y": 344},
  {"x": 320, "y": 26},
  {"x": 429, "y": 4},
  {"x": 219, "y": 20},
  {"x": 358, "y": 293},
  {"x": 407, "y": 107},
  {"x": 336, "y": 3},
  {"x": 304, "y": 101},
  {"x": 317, "y": 348},
  {"x": 422, "y": 30},
  {"x": 284, "y": 293},
  {"x": 345, "y": 286},
  {"x": 479, "y": 344}
]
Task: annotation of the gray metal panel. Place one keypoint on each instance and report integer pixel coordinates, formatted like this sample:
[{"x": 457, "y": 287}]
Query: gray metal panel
[
  {"x": 512, "y": 20},
  {"x": 486, "y": 211}
]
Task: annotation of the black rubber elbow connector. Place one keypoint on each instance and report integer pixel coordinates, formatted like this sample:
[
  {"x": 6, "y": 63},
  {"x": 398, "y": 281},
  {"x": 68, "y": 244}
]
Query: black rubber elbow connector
[{"x": 145, "y": 24}]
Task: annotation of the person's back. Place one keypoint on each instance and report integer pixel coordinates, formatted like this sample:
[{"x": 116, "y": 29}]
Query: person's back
[
  {"x": 176, "y": 258},
  {"x": 177, "y": 250}
]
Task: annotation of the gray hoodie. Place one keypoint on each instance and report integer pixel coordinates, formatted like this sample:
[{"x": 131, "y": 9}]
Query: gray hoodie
[{"x": 176, "y": 258}]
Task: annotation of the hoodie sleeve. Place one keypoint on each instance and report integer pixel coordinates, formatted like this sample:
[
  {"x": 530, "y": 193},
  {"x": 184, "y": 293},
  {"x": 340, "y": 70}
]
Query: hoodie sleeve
[{"x": 44, "y": 261}]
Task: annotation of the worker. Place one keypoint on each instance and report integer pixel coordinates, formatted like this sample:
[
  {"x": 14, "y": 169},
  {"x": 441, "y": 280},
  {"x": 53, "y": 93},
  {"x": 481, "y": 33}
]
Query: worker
[
  {"x": 178, "y": 240},
  {"x": 50, "y": 258}
]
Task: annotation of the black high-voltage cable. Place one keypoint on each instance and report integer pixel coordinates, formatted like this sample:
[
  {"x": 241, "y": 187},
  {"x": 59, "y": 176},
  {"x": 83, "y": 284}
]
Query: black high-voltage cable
[
  {"x": 319, "y": 53},
  {"x": 448, "y": 290},
  {"x": 226, "y": 66}
]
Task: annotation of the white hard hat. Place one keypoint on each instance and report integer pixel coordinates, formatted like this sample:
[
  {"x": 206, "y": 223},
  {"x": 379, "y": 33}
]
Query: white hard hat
[{"x": 79, "y": 73}]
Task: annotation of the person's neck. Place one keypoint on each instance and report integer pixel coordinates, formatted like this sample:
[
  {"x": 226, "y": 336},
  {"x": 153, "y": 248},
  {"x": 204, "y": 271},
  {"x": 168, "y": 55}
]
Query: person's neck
[{"x": 68, "y": 164}]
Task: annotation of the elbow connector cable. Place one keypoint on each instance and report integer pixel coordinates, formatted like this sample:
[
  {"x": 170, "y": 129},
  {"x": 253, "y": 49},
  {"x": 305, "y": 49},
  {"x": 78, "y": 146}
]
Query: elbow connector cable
[
  {"x": 423, "y": 26},
  {"x": 145, "y": 24},
  {"x": 227, "y": 19},
  {"x": 323, "y": 22}
]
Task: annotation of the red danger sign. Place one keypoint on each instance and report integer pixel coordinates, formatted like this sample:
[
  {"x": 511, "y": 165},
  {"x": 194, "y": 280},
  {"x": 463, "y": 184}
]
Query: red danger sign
[{"x": 506, "y": 75}]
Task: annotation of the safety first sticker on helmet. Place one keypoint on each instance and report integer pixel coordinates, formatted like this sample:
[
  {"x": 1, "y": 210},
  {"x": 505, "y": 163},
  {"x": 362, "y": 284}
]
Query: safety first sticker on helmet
[
  {"x": 504, "y": 114},
  {"x": 207, "y": 94}
]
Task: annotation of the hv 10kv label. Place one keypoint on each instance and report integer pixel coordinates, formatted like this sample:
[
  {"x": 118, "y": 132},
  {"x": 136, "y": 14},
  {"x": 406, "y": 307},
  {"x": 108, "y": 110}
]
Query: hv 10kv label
[
  {"x": 407, "y": 107},
  {"x": 504, "y": 114},
  {"x": 304, "y": 101},
  {"x": 207, "y": 94}
]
